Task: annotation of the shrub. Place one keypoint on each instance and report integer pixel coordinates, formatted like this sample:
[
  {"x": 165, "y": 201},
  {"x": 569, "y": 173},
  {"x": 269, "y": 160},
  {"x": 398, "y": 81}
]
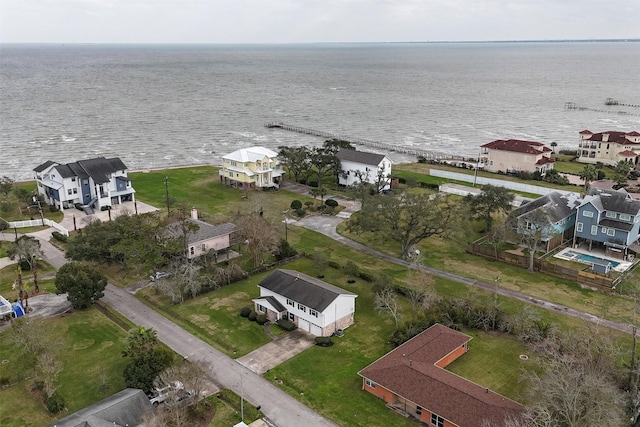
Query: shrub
[
  {"x": 53, "y": 208},
  {"x": 284, "y": 251},
  {"x": 55, "y": 403},
  {"x": 321, "y": 208},
  {"x": 303, "y": 181},
  {"x": 253, "y": 316},
  {"x": 402, "y": 181},
  {"x": 367, "y": 276},
  {"x": 245, "y": 311},
  {"x": 4, "y": 381},
  {"x": 286, "y": 324},
  {"x": 422, "y": 159},
  {"x": 323, "y": 341},
  {"x": 335, "y": 265},
  {"x": 601, "y": 175},
  {"x": 261, "y": 319},
  {"x": 319, "y": 260},
  {"x": 59, "y": 237},
  {"x": 309, "y": 204},
  {"x": 313, "y": 184},
  {"x": 300, "y": 212},
  {"x": 351, "y": 269},
  {"x": 331, "y": 203},
  {"x": 296, "y": 204}
]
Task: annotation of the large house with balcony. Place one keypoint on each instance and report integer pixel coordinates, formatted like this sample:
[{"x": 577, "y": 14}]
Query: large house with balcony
[
  {"x": 253, "y": 167},
  {"x": 553, "y": 216},
  {"x": 609, "y": 219},
  {"x": 311, "y": 304},
  {"x": 412, "y": 380},
  {"x": 362, "y": 166},
  {"x": 609, "y": 147},
  {"x": 96, "y": 183},
  {"x": 513, "y": 155}
]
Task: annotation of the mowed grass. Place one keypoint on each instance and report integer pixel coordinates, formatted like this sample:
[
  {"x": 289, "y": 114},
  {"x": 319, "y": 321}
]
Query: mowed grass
[
  {"x": 200, "y": 188},
  {"x": 90, "y": 353}
]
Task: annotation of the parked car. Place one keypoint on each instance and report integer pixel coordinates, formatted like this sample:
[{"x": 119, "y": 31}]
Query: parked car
[
  {"x": 181, "y": 398},
  {"x": 159, "y": 275},
  {"x": 159, "y": 395}
]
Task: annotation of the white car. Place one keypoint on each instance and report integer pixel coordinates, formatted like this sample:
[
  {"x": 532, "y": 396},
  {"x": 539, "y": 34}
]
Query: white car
[
  {"x": 159, "y": 275},
  {"x": 159, "y": 395}
]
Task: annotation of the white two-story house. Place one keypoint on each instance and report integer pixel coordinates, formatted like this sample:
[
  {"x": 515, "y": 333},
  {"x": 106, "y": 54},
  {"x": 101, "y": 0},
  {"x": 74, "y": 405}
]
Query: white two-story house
[
  {"x": 362, "y": 166},
  {"x": 313, "y": 305},
  {"x": 97, "y": 183}
]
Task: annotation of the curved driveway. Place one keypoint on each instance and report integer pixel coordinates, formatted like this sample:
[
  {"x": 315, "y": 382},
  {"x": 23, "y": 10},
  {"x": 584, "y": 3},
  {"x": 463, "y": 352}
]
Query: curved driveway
[{"x": 327, "y": 226}]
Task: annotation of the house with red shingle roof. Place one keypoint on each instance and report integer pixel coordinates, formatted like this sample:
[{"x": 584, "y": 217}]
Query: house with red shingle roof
[
  {"x": 609, "y": 147},
  {"x": 514, "y": 155},
  {"x": 412, "y": 380}
]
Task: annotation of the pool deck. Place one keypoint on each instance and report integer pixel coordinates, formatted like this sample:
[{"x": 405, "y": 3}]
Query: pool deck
[{"x": 620, "y": 267}]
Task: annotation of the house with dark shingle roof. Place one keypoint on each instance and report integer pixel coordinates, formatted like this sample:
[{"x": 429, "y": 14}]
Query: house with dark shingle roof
[
  {"x": 513, "y": 155},
  {"x": 412, "y": 380},
  {"x": 363, "y": 166},
  {"x": 203, "y": 238},
  {"x": 313, "y": 305},
  {"x": 99, "y": 183},
  {"x": 125, "y": 408},
  {"x": 609, "y": 147},
  {"x": 558, "y": 211},
  {"x": 609, "y": 219}
]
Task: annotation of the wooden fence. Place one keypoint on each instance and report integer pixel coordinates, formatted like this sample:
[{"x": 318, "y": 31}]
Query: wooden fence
[{"x": 581, "y": 277}]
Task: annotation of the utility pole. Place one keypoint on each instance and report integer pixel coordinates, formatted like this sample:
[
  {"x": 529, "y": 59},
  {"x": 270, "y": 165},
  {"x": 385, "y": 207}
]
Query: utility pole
[
  {"x": 166, "y": 189},
  {"x": 286, "y": 228}
]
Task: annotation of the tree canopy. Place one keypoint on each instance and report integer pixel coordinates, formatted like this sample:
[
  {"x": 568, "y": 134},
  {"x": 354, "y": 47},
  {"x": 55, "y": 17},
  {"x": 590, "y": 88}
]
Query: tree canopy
[
  {"x": 147, "y": 358},
  {"x": 84, "y": 285},
  {"x": 25, "y": 249},
  {"x": 409, "y": 218},
  {"x": 492, "y": 200}
]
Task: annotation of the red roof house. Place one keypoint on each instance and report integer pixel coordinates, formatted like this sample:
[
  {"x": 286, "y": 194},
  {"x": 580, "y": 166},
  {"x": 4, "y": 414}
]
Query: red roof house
[
  {"x": 412, "y": 380},
  {"x": 514, "y": 155},
  {"x": 609, "y": 147}
]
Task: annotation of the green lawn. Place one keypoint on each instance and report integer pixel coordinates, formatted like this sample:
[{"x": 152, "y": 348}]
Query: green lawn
[
  {"x": 564, "y": 165},
  {"x": 92, "y": 368}
]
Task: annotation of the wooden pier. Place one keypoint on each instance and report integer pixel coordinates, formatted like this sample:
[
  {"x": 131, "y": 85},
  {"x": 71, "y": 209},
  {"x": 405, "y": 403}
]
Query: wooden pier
[{"x": 427, "y": 154}]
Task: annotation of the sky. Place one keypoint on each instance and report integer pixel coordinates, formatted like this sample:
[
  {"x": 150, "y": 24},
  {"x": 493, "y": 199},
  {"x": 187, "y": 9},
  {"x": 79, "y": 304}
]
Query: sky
[{"x": 310, "y": 21}]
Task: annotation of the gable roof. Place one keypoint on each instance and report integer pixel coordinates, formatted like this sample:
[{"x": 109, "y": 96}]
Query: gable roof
[
  {"x": 43, "y": 166},
  {"x": 555, "y": 205},
  {"x": 616, "y": 201},
  {"x": 99, "y": 168},
  {"x": 250, "y": 154},
  {"x": 306, "y": 290},
  {"x": 124, "y": 408},
  {"x": 410, "y": 371},
  {"x": 200, "y": 230},
  {"x": 518, "y": 146},
  {"x": 364, "y": 157}
]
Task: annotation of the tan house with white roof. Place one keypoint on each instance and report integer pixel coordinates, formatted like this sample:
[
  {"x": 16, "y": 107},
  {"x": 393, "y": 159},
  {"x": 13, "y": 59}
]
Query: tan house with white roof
[{"x": 253, "y": 167}]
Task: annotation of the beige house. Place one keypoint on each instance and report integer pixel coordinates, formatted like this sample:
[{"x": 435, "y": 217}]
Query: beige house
[
  {"x": 203, "y": 238},
  {"x": 253, "y": 167},
  {"x": 512, "y": 155},
  {"x": 609, "y": 147}
]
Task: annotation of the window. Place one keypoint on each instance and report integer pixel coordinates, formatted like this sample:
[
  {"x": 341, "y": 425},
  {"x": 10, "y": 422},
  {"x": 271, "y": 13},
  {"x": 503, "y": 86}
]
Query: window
[
  {"x": 262, "y": 308},
  {"x": 611, "y": 232},
  {"x": 588, "y": 214},
  {"x": 192, "y": 250},
  {"x": 291, "y": 317},
  {"x": 203, "y": 247},
  {"x": 611, "y": 214},
  {"x": 419, "y": 410},
  {"x": 75, "y": 191},
  {"x": 579, "y": 227},
  {"x": 290, "y": 302},
  {"x": 594, "y": 229},
  {"x": 437, "y": 420},
  {"x": 302, "y": 308},
  {"x": 369, "y": 383},
  {"x": 69, "y": 191},
  {"x": 234, "y": 164},
  {"x": 73, "y": 179},
  {"x": 313, "y": 312},
  {"x": 604, "y": 230},
  {"x": 231, "y": 174},
  {"x": 625, "y": 217}
]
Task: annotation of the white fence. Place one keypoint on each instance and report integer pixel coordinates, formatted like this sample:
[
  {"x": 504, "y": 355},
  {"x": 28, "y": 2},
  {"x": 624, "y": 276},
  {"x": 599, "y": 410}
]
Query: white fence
[
  {"x": 38, "y": 223},
  {"x": 517, "y": 186}
]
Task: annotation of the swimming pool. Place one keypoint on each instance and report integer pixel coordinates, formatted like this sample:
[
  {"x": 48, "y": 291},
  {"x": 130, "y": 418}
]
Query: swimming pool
[{"x": 586, "y": 258}]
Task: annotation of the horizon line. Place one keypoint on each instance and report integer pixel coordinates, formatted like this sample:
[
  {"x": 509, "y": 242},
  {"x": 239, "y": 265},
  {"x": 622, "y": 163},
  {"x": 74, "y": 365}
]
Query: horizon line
[{"x": 331, "y": 42}]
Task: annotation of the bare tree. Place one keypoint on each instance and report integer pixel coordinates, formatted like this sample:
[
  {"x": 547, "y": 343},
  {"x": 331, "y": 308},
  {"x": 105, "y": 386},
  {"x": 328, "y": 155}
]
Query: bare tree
[
  {"x": 386, "y": 301},
  {"x": 49, "y": 367},
  {"x": 26, "y": 249},
  {"x": 258, "y": 235},
  {"x": 578, "y": 386},
  {"x": 533, "y": 230}
]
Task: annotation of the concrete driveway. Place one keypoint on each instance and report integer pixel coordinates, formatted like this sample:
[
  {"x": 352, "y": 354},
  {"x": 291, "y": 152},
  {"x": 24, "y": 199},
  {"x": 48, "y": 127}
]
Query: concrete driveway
[{"x": 276, "y": 352}]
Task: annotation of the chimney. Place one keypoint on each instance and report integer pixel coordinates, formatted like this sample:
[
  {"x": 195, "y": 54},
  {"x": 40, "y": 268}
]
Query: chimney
[{"x": 194, "y": 213}]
